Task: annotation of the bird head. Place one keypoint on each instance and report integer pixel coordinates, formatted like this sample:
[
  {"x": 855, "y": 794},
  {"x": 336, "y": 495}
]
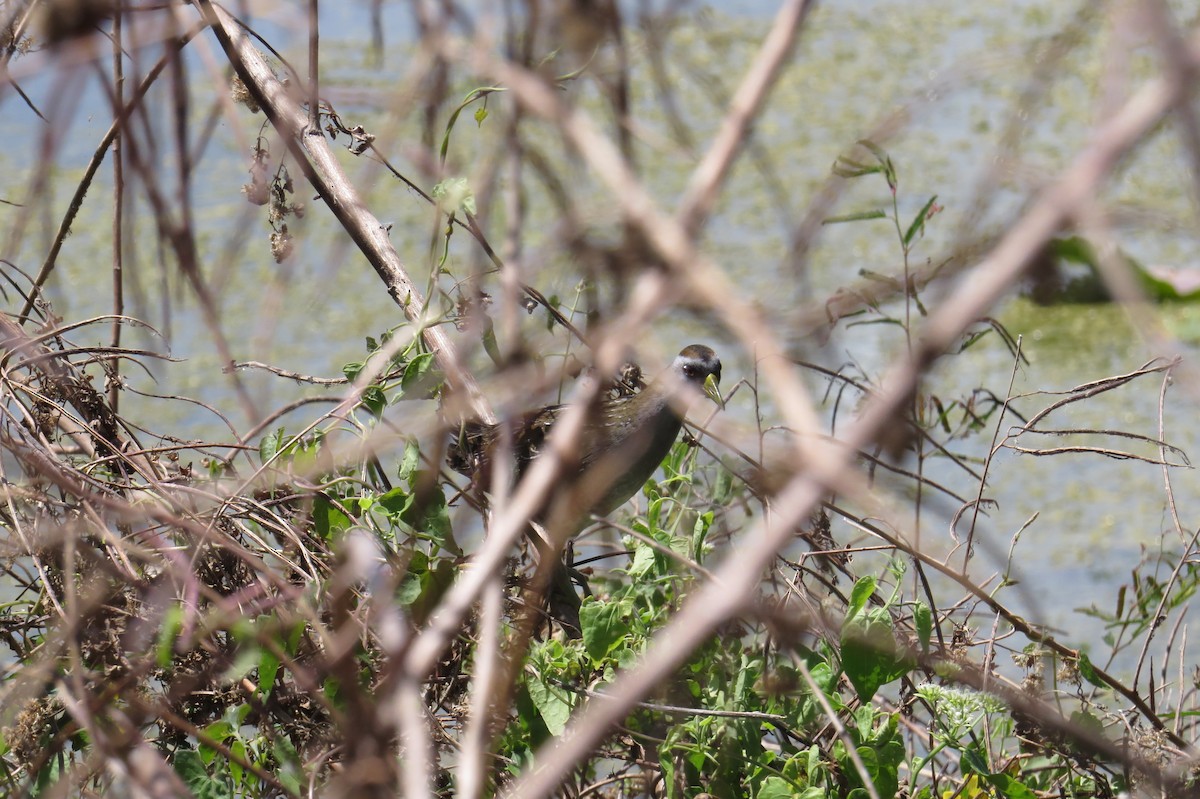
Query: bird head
[{"x": 699, "y": 367}]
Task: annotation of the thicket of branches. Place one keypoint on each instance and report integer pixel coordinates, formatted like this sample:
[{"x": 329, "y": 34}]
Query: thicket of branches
[{"x": 309, "y": 602}]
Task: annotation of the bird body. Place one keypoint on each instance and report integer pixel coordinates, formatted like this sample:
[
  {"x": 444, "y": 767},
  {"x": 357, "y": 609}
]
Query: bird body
[{"x": 621, "y": 445}]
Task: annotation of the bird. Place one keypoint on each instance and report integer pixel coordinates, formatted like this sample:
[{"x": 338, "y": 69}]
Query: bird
[{"x": 623, "y": 442}]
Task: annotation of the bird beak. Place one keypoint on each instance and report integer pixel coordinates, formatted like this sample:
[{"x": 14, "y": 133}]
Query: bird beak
[{"x": 712, "y": 392}]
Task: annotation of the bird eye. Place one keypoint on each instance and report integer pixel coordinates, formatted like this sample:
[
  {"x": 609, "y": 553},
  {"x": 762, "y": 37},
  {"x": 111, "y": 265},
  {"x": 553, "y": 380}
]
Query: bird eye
[{"x": 690, "y": 370}]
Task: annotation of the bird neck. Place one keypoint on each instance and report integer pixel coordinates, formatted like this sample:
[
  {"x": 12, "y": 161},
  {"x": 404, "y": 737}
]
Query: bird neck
[
  {"x": 655, "y": 411},
  {"x": 658, "y": 398}
]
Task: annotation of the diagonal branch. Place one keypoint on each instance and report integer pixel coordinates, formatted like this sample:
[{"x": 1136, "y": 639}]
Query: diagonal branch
[
  {"x": 724, "y": 597},
  {"x": 710, "y": 174},
  {"x": 317, "y": 160}
]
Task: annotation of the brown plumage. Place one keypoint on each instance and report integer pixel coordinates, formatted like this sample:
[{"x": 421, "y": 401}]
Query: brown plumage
[{"x": 621, "y": 446}]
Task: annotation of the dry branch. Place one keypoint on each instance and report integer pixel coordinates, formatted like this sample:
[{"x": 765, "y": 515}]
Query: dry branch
[
  {"x": 738, "y": 578},
  {"x": 320, "y": 165}
]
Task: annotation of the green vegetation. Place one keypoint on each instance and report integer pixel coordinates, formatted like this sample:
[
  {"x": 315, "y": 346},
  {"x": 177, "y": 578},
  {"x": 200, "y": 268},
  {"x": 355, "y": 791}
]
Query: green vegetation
[{"x": 818, "y": 594}]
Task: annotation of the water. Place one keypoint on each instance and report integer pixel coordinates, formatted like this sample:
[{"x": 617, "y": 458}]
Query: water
[{"x": 958, "y": 68}]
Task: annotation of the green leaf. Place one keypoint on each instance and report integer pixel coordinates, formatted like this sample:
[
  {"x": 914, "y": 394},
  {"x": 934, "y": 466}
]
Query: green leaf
[
  {"x": 268, "y": 669},
  {"x": 863, "y": 590},
  {"x": 875, "y": 149},
  {"x": 666, "y": 765},
  {"x": 722, "y": 491},
  {"x": 172, "y": 623},
  {"x": 776, "y": 788},
  {"x": 270, "y": 445},
  {"x": 454, "y": 194},
  {"x": 552, "y": 702},
  {"x": 847, "y": 168},
  {"x": 885, "y": 161},
  {"x": 699, "y": 534},
  {"x": 409, "y": 590},
  {"x": 654, "y": 513},
  {"x": 881, "y": 752},
  {"x": 410, "y": 461},
  {"x": 973, "y": 762},
  {"x": 604, "y": 626},
  {"x": 332, "y": 690},
  {"x": 864, "y": 721},
  {"x": 490, "y": 345},
  {"x": 190, "y": 768},
  {"x": 428, "y": 516},
  {"x": 304, "y": 453},
  {"x": 220, "y": 730},
  {"x": 416, "y": 375},
  {"x": 1088, "y": 671},
  {"x": 434, "y": 583},
  {"x": 289, "y": 771},
  {"x": 918, "y": 222},
  {"x": 414, "y": 580},
  {"x": 814, "y": 761},
  {"x": 869, "y": 654},
  {"x": 243, "y": 663},
  {"x": 238, "y": 748},
  {"x": 923, "y": 619},
  {"x": 1011, "y": 788},
  {"x": 971, "y": 338},
  {"x": 643, "y": 560},
  {"x": 374, "y": 400},
  {"x": 857, "y": 216},
  {"x": 1087, "y": 721},
  {"x": 824, "y": 677},
  {"x": 48, "y": 775},
  {"x": 395, "y": 501},
  {"x": 328, "y": 519}
]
